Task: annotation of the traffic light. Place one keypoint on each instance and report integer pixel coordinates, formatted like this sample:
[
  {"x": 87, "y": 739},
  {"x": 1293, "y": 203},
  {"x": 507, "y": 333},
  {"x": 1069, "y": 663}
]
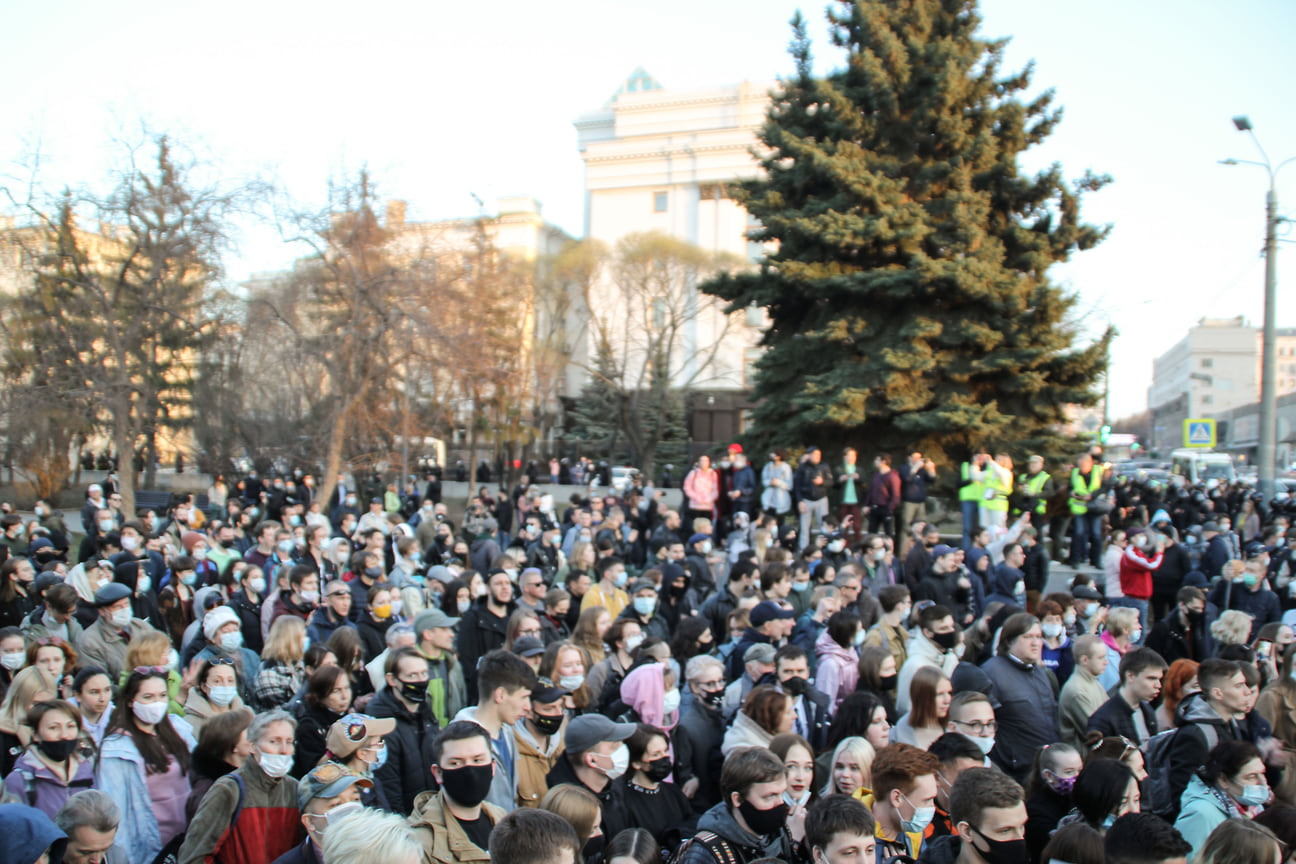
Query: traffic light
[{"x": 1104, "y": 434}]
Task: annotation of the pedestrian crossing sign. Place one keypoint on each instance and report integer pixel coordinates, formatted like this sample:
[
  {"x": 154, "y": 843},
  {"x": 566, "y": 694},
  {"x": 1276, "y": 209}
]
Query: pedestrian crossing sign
[{"x": 1199, "y": 432}]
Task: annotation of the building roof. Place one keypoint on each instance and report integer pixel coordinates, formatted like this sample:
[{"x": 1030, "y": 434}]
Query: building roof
[{"x": 638, "y": 82}]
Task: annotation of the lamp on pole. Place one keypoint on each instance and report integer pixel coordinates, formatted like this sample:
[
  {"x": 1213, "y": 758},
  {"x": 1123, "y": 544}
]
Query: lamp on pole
[{"x": 1268, "y": 451}]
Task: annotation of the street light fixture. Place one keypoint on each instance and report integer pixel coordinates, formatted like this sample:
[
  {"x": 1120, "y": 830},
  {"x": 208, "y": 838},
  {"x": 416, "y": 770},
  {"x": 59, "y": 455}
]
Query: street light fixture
[{"x": 1267, "y": 455}]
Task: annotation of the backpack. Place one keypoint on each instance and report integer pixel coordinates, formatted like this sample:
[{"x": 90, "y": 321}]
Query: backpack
[
  {"x": 1156, "y": 788},
  {"x": 170, "y": 853},
  {"x": 719, "y": 848}
]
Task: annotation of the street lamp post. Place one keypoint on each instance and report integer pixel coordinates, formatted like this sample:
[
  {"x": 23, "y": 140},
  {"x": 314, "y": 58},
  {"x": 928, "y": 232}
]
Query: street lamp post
[{"x": 1267, "y": 455}]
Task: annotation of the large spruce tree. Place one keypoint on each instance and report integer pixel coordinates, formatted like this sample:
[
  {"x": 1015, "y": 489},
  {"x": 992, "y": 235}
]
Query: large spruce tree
[{"x": 907, "y": 273}]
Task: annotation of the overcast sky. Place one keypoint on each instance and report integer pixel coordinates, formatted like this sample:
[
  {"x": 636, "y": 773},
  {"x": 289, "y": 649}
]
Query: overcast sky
[{"x": 443, "y": 101}]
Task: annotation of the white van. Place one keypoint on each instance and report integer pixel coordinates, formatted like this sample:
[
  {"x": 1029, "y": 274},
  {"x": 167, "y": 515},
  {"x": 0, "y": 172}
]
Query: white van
[{"x": 1201, "y": 466}]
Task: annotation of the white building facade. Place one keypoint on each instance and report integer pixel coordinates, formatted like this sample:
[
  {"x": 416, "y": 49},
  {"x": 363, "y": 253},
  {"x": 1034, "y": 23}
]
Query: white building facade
[{"x": 665, "y": 160}]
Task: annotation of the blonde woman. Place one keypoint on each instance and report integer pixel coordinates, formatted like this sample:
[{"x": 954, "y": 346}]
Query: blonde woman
[
  {"x": 1233, "y": 627},
  {"x": 153, "y": 649},
  {"x": 283, "y": 671},
  {"x": 31, "y": 685},
  {"x": 852, "y": 770}
]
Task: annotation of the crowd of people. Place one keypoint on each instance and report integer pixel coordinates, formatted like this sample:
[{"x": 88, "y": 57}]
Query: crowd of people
[{"x": 794, "y": 666}]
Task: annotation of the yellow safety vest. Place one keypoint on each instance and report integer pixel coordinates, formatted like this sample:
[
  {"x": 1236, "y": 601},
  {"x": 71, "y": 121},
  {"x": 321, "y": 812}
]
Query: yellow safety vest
[
  {"x": 1034, "y": 486},
  {"x": 971, "y": 490},
  {"x": 1079, "y": 508},
  {"x": 1003, "y": 488}
]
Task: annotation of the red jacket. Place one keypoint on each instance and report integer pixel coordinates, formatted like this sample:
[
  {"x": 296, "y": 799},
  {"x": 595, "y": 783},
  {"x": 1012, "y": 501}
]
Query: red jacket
[{"x": 1136, "y": 572}]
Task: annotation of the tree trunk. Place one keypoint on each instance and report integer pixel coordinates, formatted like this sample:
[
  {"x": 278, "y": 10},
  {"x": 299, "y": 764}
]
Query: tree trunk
[
  {"x": 124, "y": 442},
  {"x": 150, "y": 458},
  {"x": 333, "y": 460}
]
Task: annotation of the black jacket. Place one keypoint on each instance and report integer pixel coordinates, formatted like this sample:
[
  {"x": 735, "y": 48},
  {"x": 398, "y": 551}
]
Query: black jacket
[
  {"x": 1173, "y": 641},
  {"x": 249, "y": 614},
  {"x": 697, "y": 752},
  {"x": 313, "y": 722},
  {"x": 614, "y": 815},
  {"x": 480, "y": 632},
  {"x": 1116, "y": 718},
  {"x": 408, "y": 769},
  {"x": 1044, "y": 811},
  {"x": 818, "y": 704},
  {"x": 373, "y": 635}
]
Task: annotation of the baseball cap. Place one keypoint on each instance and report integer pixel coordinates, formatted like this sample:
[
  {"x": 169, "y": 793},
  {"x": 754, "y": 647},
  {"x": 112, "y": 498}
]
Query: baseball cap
[
  {"x": 768, "y": 610},
  {"x": 350, "y": 732},
  {"x": 431, "y": 618},
  {"x": 585, "y": 731},
  {"x": 528, "y": 646},
  {"x": 328, "y": 781},
  {"x": 698, "y": 538},
  {"x": 546, "y": 691},
  {"x": 942, "y": 549}
]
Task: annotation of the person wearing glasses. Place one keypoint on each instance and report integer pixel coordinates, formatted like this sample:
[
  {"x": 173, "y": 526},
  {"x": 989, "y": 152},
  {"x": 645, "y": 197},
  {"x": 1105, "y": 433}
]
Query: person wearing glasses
[
  {"x": 971, "y": 714},
  {"x": 356, "y": 742},
  {"x": 144, "y": 760}
]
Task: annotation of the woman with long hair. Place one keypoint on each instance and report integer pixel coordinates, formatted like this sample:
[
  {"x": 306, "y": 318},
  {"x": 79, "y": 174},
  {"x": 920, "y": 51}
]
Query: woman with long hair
[
  {"x": 282, "y": 671},
  {"x": 153, "y": 648},
  {"x": 1104, "y": 791},
  {"x": 798, "y": 759},
  {"x": 1048, "y": 797},
  {"x": 1118, "y": 748},
  {"x": 55, "y": 766},
  {"x": 346, "y": 646},
  {"x": 1277, "y": 705},
  {"x": 590, "y": 628},
  {"x": 328, "y": 697},
  {"x": 17, "y": 598},
  {"x": 1240, "y": 841},
  {"x": 144, "y": 761},
  {"x": 565, "y": 664},
  {"x": 692, "y": 637},
  {"x": 852, "y": 769},
  {"x": 29, "y": 686},
  {"x": 523, "y": 622},
  {"x": 57, "y": 658},
  {"x": 930, "y": 692}
]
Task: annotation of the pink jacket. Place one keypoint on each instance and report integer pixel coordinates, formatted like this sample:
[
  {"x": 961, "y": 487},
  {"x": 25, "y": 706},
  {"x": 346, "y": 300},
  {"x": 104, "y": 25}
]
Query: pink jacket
[
  {"x": 838, "y": 669},
  {"x": 702, "y": 488}
]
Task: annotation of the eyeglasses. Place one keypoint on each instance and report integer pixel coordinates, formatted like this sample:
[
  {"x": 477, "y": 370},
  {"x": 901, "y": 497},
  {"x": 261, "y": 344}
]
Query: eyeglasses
[
  {"x": 221, "y": 661},
  {"x": 978, "y": 726},
  {"x": 50, "y": 640}
]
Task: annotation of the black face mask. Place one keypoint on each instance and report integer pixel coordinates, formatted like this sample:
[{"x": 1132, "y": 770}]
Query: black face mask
[
  {"x": 713, "y": 698},
  {"x": 594, "y": 846},
  {"x": 1195, "y": 619},
  {"x": 417, "y": 692},
  {"x": 1001, "y": 851},
  {"x": 658, "y": 769},
  {"x": 58, "y": 751},
  {"x": 796, "y": 685},
  {"x": 887, "y": 682},
  {"x": 765, "y": 822},
  {"x": 468, "y": 785},
  {"x": 546, "y": 724},
  {"x": 946, "y": 640}
]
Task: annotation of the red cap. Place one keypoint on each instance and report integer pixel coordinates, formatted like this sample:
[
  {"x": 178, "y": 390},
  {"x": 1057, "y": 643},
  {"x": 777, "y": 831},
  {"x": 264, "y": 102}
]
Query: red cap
[{"x": 735, "y": 448}]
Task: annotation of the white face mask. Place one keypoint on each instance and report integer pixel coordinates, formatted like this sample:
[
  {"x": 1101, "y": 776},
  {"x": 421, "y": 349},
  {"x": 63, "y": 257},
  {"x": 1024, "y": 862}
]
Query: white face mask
[
  {"x": 671, "y": 701},
  {"x": 129, "y": 543},
  {"x": 258, "y": 585},
  {"x": 121, "y": 619},
  {"x": 150, "y": 714},
  {"x": 222, "y": 695},
  {"x": 986, "y": 744},
  {"x": 13, "y": 660},
  {"x": 1052, "y": 631},
  {"x": 620, "y": 762},
  {"x": 633, "y": 642},
  {"x": 275, "y": 764}
]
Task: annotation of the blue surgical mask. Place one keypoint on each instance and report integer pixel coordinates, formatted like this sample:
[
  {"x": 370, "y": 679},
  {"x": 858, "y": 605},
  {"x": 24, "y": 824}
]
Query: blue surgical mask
[
  {"x": 800, "y": 586},
  {"x": 922, "y": 817},
  {"x": 644, "y": 606},
  {"x": 1254, "y": 796}
]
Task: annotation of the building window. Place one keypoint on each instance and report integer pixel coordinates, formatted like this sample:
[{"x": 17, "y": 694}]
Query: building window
[
  {"x": 659, "y": 202},
  {"x": 755, "y": 316},
  {"x": 1207, "y": 362}
]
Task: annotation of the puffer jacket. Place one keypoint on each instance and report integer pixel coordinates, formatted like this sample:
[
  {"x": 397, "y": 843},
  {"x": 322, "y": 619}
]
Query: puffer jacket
[{"x": 268, "y": 824}]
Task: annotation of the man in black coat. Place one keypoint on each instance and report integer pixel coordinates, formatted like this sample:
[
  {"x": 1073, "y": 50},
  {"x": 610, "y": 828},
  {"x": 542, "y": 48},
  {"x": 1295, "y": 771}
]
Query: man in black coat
[
  {"x": 1183, "y": 635},
  {"x": 792, "y": 668},
  {"x": 483, "y": 628},
  {"x": 408, "y": 769},
  {"x": 1127, "y": 714}
]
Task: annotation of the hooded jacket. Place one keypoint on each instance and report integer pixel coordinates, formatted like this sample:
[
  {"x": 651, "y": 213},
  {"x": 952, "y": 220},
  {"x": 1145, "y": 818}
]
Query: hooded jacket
[
  {"x": 1200, "y": 811},
  {"x": 922, "y": 652},
  {"x": 407, "y": 771},
  {"x": 746, "y": 846},
  {"x": 503, "y": 790},
  {"x": 28, "y": 834},
  {"x": 268, "y": 825},
  {"x": 535, "y": 762},
  {"x": 1173, "y": 641},
  {"x": 480, "y": 632},
  {"x": 1191, "y": 746},
  {"x": 37, "y": 786},
  {"x": 443, "y": 839},
  {"x": 836, "y": 670},
  {"x": 643, "y": 689}
]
